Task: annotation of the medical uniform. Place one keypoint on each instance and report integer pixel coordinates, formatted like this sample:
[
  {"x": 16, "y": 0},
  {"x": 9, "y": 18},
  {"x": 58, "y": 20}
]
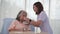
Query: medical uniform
[{"x": 45, "y": 27}]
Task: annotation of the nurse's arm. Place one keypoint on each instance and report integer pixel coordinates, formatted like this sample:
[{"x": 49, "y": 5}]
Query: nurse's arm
[{"x": 36, "y": 23}]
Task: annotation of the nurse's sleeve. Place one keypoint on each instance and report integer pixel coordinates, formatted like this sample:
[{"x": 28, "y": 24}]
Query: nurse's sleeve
[{"x": 42, "y": 17}]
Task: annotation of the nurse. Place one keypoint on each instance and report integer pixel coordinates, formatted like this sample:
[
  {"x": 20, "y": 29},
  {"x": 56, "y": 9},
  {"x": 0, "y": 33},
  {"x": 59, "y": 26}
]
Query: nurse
[{"x": 42, "y": 19}]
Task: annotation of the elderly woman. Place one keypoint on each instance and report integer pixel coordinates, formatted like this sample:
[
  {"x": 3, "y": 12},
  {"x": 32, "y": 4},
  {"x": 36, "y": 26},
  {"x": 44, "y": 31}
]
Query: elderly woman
[{"x": 18, "y": 24}]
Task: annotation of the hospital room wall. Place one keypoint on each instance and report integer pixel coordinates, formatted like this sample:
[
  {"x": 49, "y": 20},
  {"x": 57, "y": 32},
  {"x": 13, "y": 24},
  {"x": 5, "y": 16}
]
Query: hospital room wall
[{"x": 55, "y": 15}]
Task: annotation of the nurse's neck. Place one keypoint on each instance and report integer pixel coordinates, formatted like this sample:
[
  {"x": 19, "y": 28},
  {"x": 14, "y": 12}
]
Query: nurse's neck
[{"x": 37, "y": 13}]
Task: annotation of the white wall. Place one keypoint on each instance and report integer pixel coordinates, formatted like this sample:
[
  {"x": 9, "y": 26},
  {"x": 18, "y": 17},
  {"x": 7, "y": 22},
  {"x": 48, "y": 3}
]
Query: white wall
[
  {"x": 55, "y": 9},
  {"x": 55, "y": 15}
]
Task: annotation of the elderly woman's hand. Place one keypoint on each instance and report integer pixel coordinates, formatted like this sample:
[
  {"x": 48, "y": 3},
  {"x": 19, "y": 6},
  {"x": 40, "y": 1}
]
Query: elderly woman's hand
[{"x": 27, "y": 20}]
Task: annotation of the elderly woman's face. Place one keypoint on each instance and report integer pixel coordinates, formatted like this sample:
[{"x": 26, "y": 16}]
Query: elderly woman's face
[{"x": 22, "y": 16}]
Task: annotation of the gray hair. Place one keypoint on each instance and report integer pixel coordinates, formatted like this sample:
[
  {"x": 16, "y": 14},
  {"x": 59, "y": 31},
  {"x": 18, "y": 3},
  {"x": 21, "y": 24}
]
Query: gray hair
[{"x": 19, "y": 14}]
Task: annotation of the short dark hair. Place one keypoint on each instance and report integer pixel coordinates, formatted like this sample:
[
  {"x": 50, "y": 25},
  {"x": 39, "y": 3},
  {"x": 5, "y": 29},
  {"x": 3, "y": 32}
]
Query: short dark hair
[{"x": 39, "y": 6}]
